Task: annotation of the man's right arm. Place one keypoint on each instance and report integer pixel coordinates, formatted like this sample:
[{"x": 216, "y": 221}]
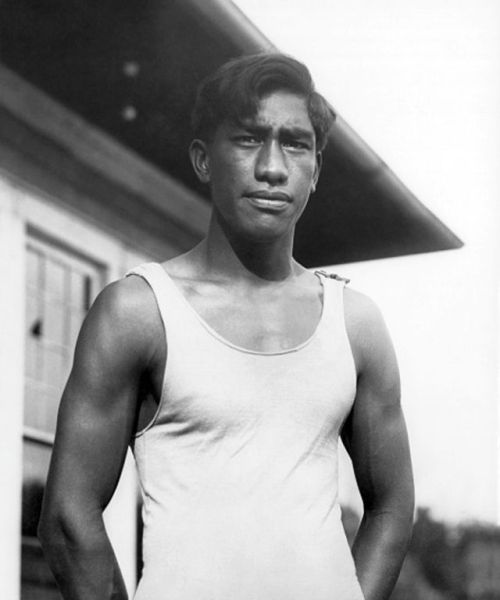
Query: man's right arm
[{"x": 96, "y": 422}]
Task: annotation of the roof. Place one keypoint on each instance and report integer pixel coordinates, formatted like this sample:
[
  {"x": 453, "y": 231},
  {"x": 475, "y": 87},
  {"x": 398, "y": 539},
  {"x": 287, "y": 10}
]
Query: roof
[{"x": 131, "y": 69}]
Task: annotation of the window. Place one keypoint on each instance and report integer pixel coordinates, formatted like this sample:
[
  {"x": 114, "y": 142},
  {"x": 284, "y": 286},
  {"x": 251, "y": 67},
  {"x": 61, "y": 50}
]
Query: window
[{"x": 60, "y": 287}]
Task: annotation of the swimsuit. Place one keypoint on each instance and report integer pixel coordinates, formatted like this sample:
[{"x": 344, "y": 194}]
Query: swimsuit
[{"x": 238, "y": 468}]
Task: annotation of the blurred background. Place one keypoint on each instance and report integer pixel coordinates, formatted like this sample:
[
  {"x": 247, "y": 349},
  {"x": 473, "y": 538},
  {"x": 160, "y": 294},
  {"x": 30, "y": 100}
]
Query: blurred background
[{"x": 95, "y": 178}]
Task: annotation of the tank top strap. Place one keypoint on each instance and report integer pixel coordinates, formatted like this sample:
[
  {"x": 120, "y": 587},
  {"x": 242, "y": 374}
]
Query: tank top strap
[
  {"x": 170, "y": 305},
  {"x": 334, "y": 276},
  {"x": 333, "y": 320}
]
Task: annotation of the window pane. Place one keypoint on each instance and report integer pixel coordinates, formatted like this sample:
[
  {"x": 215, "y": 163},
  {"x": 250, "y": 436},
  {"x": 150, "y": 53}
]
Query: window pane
[
  {"x": 58, "y": 286},
  {"x": 33, "y": 266},
  {"x": 34, "y": 406},
  {"x": 33, "y": 364},
  {"x": 49, "y": 397},
  {"x": 33, "y": 311},
  {"x": 34, "y": 331},
  {"x": 77, "y": 289},
  {"x": 55, "y": 280},
  {"x": 75, "y": 320},
  {"x": 55, "y": 322},
  {"x": 41, "y": 406},
  {"x": 54, "y": 366}
]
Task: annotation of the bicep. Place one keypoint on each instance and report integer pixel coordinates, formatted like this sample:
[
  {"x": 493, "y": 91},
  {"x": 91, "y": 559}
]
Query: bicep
[{"x": 375, "y": 433}]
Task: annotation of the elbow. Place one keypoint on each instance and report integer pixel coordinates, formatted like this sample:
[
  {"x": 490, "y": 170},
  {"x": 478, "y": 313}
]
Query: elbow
[
  {"x": 396, "y": 505},
  {"x": 52, "y": 530},
  {"x": 66, "y": 526},
  {"x": 403, "y": 535},
  {"x": 392, "y": 531},
  {"x": 404, "y": 530},
  {"x": 394, "y": 519}
]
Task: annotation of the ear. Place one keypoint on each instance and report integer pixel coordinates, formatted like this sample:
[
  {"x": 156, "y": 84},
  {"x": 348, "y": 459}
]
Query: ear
[
  {"x": 317, "y": 170},
  {"x": 199, "y": 155}
]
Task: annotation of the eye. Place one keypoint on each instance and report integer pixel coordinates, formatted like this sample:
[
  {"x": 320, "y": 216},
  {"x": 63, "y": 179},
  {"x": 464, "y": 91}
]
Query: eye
[
  {"x": 247, "y": 139},
  {"x": 295, "y": 144}
]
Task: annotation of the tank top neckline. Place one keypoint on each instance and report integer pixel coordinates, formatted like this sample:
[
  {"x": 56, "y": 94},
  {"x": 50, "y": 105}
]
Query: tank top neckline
[{"x": 237, "y": 347}]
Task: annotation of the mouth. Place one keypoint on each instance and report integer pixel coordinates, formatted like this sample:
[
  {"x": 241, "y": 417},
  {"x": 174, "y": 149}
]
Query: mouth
[{"x": 268, "y": 200}]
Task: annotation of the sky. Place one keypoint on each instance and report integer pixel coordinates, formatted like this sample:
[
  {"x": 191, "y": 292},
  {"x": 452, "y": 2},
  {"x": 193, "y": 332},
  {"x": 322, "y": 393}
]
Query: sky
[{"x": 419, "y": 81}]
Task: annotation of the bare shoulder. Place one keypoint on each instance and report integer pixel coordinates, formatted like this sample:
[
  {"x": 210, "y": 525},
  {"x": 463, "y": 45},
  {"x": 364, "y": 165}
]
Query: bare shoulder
[
  {"x": 366, "y": 329},
  {"x": 124, "y": 315},
  {"x": 362, "y": 314},
  {"x": 128, "y": 302},
  {"x": 131, "y": 297}
]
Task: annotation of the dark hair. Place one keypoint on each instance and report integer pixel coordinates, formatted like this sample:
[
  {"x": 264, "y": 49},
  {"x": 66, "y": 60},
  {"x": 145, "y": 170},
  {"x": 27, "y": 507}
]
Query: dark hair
[{"x": 233, "y": 92}]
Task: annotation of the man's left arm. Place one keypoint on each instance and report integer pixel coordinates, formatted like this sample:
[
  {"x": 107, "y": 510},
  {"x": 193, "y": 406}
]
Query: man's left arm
[{"x": 375, "y": 437}]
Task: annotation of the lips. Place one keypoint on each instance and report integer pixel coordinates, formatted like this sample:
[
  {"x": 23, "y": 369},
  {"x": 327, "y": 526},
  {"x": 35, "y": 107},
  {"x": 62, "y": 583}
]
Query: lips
[{"x": 269, "y": 200}]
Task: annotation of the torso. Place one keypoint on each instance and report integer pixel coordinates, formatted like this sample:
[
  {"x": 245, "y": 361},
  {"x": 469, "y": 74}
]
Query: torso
[{"x": 240, "y": 459}]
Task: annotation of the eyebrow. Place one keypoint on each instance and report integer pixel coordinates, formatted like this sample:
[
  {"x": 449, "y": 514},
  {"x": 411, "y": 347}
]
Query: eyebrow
[{"x": 293, "y": 131}]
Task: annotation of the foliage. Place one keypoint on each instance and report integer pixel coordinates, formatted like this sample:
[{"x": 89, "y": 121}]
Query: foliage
[{"x": 445, "y": 561}]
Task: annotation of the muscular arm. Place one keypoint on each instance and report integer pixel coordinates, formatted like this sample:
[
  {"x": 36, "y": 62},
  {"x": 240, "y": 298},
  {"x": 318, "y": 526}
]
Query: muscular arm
[
  {"x": 95, "y": 424},
  {"x": 376, "y": 439}
]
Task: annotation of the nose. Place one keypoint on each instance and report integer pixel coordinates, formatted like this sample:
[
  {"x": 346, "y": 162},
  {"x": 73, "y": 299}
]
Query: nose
[{"x": 271, "y": 165}]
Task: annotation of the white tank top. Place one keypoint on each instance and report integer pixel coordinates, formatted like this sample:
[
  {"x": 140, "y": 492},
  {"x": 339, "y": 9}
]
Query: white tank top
[{"x": 238, "y": 468}]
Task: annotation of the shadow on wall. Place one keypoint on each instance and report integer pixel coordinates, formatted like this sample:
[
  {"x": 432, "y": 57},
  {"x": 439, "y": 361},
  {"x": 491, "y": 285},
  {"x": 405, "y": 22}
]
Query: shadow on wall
[
  {"x": 32, "y": 505},
  {"x": 445, "y": 562},
  {"x": 37, "y": 581}
]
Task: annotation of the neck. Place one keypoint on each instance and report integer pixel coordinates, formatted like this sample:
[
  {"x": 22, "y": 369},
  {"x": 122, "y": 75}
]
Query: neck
[{"x": 241, "y": 258}]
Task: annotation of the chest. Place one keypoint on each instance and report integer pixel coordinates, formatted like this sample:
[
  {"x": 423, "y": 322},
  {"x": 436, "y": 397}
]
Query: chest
[
  {"x": 269, "y": 321},
  {"x": 212, "y": 386}
]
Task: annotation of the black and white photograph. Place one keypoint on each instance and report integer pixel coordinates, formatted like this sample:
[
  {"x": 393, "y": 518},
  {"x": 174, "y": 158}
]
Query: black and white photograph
[{"x": 250, "y": 300}]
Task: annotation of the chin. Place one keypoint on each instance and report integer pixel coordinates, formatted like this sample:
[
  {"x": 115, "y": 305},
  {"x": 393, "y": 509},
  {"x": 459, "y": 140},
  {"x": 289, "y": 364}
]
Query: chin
[
  {"x": 266, "y": 232},
  {"x": 263, "y": 228}
]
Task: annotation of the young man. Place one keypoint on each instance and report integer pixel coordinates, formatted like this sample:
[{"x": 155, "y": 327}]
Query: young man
[{"x": 232, "y": 371}]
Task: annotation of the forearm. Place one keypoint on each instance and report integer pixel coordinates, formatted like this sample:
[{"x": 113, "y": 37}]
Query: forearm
[
  {"x": 83, "y": 562},
  {"x": 379, "y": 550}
]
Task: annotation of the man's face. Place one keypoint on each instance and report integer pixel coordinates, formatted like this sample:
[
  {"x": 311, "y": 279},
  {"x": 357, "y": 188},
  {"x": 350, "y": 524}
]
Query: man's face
[{"x": 262, "y": 170}]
